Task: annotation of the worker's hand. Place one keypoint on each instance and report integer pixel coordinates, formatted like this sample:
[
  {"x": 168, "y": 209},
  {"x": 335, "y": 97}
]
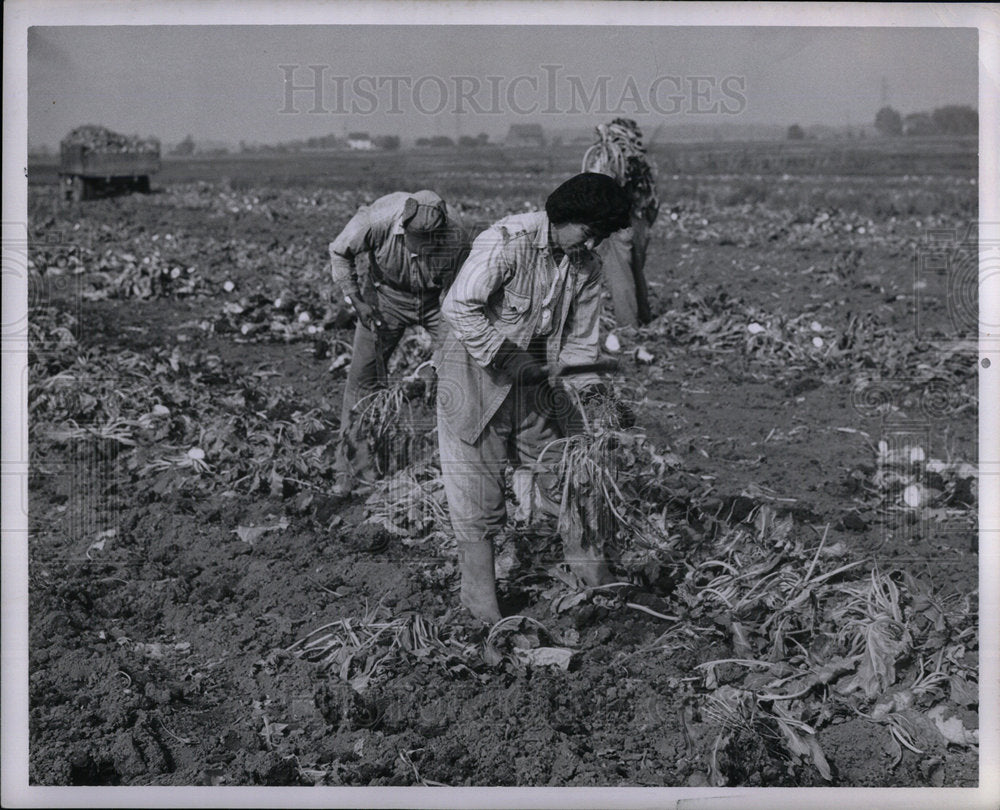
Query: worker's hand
[
  {"x": 524, "y": 368},
  {"x": 601, "y": 396},
  {"x": 592, "y": 392},
  {"x": 368, "y": 314}
]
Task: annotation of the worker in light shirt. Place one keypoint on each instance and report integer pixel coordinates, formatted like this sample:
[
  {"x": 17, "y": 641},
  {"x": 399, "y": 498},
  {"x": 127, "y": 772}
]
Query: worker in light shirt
[
  {"x": 412, "y": 249},
  {"x": 620, "y": 154},
  {"x": 525, "y": 303}
]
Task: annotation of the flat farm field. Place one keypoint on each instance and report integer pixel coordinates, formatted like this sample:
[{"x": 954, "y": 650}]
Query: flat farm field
[{"x": 795, "y": 508}]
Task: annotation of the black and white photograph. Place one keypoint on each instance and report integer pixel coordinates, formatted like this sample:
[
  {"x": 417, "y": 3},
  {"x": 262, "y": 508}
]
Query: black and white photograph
[{"x": 453, "y": 404}]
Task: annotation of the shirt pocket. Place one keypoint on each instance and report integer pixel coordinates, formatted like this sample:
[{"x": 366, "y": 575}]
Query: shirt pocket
[{"x": 514, "y": 306}]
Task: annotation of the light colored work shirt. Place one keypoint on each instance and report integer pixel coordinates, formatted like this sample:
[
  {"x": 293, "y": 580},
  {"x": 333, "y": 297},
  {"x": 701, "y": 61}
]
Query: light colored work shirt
[
  {"x": 511, "y": 287},
  {"x": 376, "y": 230}
]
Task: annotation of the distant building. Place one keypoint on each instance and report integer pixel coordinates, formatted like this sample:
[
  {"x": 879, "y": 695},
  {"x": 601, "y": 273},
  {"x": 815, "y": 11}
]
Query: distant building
[
  {"x": 525, "y": 135},
  {"x": 360, "y": 140}
]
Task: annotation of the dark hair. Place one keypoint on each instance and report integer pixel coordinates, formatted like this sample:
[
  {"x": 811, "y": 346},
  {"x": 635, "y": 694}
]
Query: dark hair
[{"x": 592, "y": 199}]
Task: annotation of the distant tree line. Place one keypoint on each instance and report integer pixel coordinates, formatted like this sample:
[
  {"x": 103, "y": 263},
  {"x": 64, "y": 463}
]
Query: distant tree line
[
  {"x": 465, "y": 141},
  {"x": 185, "y": 147},
  {"x": 386, "y": 142},
  {"x": 953, "y": 119}
]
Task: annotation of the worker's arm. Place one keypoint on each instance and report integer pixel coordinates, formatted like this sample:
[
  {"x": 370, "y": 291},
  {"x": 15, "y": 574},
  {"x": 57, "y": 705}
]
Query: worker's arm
[
  {"x": 581, "y": 332},
  {"x": 353, "y": 240},
  {"x": 356, "y": 238},
  {"x": 484, "y": 272}
]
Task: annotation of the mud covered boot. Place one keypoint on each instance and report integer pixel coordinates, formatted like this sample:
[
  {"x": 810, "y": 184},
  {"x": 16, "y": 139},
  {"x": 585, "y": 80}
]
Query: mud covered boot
[{"x": 479, "y": 591}]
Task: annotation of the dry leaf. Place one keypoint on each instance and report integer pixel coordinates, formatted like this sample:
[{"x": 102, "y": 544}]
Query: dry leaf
[
  {"x": 568, "y": 601},
  {"x": 877, "y": 670},
  {"x": 952, "y": 728},
  {"x": 360, "y": 682},
  {"x": 546, "y": 656},
  {"x": 962, "y": 692},
  {"x": 818, "y": 758},
  {"x": 98, "y": 544},
  {"x": 251, "y": 534},
  {"x": 642, "y": 355}
]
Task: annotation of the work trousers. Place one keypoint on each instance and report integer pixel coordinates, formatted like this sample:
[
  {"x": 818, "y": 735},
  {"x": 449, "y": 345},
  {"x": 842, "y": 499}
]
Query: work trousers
[
  {"x": 624, "y": 260},
  {"x": 528, "y": 420},
  {"x": 367, "y": 372}
]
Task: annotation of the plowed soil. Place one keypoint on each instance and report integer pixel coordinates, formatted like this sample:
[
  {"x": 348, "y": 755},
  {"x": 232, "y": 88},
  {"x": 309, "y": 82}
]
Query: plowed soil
[{"x": 160, "y": 657}]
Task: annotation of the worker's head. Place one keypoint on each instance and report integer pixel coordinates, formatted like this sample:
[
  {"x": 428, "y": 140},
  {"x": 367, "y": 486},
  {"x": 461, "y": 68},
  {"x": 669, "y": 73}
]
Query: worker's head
[
  {"x": 424, "y": 216},
  {"x": 585, "y": 210}
]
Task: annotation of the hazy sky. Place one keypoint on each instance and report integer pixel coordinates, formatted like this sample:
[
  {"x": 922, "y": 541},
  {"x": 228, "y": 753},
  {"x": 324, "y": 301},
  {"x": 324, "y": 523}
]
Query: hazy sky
[{"x": 227, "y": 83}]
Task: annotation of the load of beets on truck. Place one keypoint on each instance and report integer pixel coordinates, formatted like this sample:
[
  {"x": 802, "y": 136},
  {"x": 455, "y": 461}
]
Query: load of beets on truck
[{"x": 96, "y": 161}]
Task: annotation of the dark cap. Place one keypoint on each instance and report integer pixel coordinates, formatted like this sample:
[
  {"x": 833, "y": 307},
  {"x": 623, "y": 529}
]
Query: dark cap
[
  {"x": 591, "y": 199},
  {"x": 424, "y": 211}
]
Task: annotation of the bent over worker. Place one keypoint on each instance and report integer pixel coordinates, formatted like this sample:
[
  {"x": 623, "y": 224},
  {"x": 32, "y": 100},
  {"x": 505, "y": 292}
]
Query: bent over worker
[
  {"x": 619, "y": 153},
  {"x": 413, "y": 249},
  {"x": 526, "y": 302}
]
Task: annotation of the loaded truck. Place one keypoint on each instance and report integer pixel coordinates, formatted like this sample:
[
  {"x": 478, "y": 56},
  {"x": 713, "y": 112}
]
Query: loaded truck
[{"x": 95, "y": 161}]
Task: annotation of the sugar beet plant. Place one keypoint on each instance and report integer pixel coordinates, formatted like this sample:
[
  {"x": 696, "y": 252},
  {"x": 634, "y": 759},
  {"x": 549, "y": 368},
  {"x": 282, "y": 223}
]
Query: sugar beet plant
[
  {"x": 179, "y": 421},
  {"x": 817, "y": 638}
]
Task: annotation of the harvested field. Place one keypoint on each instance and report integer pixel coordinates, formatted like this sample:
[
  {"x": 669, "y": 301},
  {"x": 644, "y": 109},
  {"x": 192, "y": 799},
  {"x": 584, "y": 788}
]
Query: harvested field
[{"x": 794, "y": 512}]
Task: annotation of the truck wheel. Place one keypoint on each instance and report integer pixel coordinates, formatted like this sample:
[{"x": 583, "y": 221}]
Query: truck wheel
[{"x": 142, "y": 185}]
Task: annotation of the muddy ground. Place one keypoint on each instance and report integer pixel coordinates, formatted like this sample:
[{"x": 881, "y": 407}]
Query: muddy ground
[{"x": 160, "y": 632}]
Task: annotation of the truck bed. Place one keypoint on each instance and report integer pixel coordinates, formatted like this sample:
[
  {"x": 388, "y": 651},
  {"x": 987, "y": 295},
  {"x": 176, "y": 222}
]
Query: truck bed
[{"x": 75, "y": 160}]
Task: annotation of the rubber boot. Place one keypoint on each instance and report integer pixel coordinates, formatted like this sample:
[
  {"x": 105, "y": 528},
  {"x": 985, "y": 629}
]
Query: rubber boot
[{"x": 479, "y": 590}]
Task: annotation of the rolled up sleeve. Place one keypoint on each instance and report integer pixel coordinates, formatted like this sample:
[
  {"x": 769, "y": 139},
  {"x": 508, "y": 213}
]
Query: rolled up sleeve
[
  {"x": 464, "y": 308},
  {"x": 354, "y": 239}
]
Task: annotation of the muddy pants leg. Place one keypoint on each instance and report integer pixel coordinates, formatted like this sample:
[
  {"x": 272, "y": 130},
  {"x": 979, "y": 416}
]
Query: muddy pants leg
[
  {"x": 365, "y": 375},
  {"x": 473, "y": 484},
  {"x": 616, "y": 257},
  {"x": 640, "y": 242}
]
